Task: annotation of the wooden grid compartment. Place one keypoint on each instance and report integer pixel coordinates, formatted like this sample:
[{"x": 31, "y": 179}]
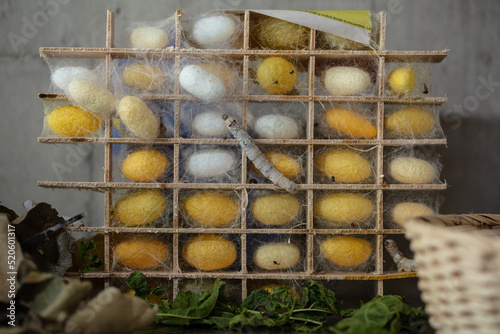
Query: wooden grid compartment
[{"x": 308, "y": 232}]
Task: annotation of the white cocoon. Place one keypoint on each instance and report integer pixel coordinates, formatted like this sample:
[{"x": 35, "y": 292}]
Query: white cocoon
[
  {"x": 148, "y": 37},
  {"x": 276, "y": 127},
  {"x": 210, "y": 163},
  {"x": 138, "y": 118},
  {"x": 345, "y": 80},
  {"x": 209, "y": 123},
  {"x": 412, "y": 170},
  {"x": 276, "y": 255},
  {"x": 212, "y": 31},
  {"x": 64, "y": 75},
  {"x": 91, "y": 96},
  {"x": 202, "y": 84}
]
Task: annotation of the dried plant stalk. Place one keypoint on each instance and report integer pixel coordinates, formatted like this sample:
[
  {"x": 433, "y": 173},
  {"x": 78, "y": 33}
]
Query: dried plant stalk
[
  {"x": 257, "y": 157},
  {"x": 404, "y": 264}
]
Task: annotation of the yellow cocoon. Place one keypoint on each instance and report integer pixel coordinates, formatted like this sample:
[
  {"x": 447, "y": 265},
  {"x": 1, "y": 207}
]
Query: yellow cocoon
[
  {"x": 286, "y": 165},
  {"x": 406, "y": 210},
  {"x": 411, "y": 170},
  {"x": 73, "y": 121},
  {"x": 211, "y": 208},
  {"x": 224, "y": 72},
  {"x": 140, "y": 208},
  {"x": 275, "y": 209},
  {"x": 276, "y": 255},
  {"x": 402, "y": 80},
  {"x": 410, "y": 122},
  {"x": 148, "y": 37},
  {"x": 350, "y": 123},
  {"x": 346, "y": 251},
  {"x": 273, "y": 33},
  {"x": 141, "y": 76},
  {"x": 345, "y": 80},
  {"x": 141, "y": 252},
  {"x": 343, "y": 207},
  {"x": 344, "y": 165},
  {"x": 138, "y": 118},
  {"x": 276, "y": 75},
  {"x": 209, "y": 252},
  {"x": 92, "y": 97},
  {"x": 144, "y": 165}
]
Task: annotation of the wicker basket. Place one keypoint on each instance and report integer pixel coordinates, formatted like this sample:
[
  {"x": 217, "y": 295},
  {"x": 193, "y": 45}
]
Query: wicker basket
[{"x": 459, "y": 271}]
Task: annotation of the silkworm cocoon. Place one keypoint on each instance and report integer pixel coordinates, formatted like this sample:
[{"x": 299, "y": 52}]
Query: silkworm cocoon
[
  {"x": 73, "y": 121},
  {"x": 141, "y": 252},
  {"x": 140, "y": 208},
  {"x": 276, "y": 75},
  {"x": 411, "y": 170},
  {"x": 410, "y": 122},
  {"x": 138, "y": 118},
  {"x": 210, "y": 163},
  {"x": 285, "y": 164},
  {"x": 276, "y": 127},
  {"x": 144, "y": 165},
  {"x": 340, "y": 43},
  {"x": 402, "y": 80},
  {"x": 345, "y": 80},
  {"x": 276, "y": 255},
  {"x": 273, "y": 33},
  {"x": 344, "y": 166},
  {"x": 92, "y": 97},
  {"x": 148, "y": 38},
  {"x": 210, "y": 208},
  {"x": 275, "y": 209},
  {"x": 139, "y": 76},
  {"x": 209, "y": 252},
  {"x": 63, "y": 76},
  {"x": 209, "y": 123},
  {"x": 343, "y": 207},
  {"x": 406, "y": 210},
  {"x": 214, "y": 31},
  {"x": 350, "y": 123},
  {"x": 202, "y": 84},
  {"x": 346, "y": 251},
  {"x": 224, "y": 72}
]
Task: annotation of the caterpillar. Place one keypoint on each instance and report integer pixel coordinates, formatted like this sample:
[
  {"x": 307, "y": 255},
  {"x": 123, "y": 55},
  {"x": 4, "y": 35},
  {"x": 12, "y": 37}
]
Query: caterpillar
[
  {"x": 404, "y": 264},
  {"x": 257, "y": 157}
]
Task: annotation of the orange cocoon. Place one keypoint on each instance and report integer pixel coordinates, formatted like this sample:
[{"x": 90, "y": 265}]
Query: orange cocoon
[
  {"x": 350, "y": 123},
  {"x": 346, "y": 251},
  {"x": 73, "y": 121},
  {"x": 144, "y": 165},
  {"x": 344, "y": 165},
  {"x": 211, "y": 208},
  {"x": 141, "y": 252},
  {"x": 209, "y": 252}
]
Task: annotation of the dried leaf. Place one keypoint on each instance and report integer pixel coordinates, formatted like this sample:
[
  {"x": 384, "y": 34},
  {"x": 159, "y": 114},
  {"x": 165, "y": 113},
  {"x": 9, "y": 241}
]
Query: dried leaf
[{"x": 111, "y": 312}]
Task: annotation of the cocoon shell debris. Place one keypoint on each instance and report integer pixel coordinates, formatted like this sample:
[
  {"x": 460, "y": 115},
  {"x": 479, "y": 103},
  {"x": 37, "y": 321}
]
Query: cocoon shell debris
[
  {"x": 211, "y": 208},
  {"x": 275, "y": 209},
  {"x": 144, "y": 165},
  {"x": 92, "y": 97},
  {"x": 210, "y": 163},
  {"x": 73, "y": 121},
  {"x": 138, "y": 118},
  {"x": 412, "y": 170},
  {"x": 276, "y": 34},
  {"x": 276, "y": 255},
  {"x": 345, "y": 80},
  {"x": 63, "y": 76},
  {"x": 209, "y": 252},
  {"x": 202, "y": 84},
  {"x": 276, "y": 127},
  {"x": 148, "y": 37},
  {"x": 406, "y": 210},
  {"x": 214, "y": 31},
  {"x": 209, "y": 123},
  {"x": 141, "y": 252}
]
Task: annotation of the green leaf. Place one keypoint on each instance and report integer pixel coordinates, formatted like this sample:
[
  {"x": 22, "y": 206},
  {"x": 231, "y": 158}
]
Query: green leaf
[
  {"x": 137, "y": 282},
  {"x": 189, "y": 306}
]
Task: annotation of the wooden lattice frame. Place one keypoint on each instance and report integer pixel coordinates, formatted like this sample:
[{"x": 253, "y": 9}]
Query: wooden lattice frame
[{"x": 175, "y": 274}]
